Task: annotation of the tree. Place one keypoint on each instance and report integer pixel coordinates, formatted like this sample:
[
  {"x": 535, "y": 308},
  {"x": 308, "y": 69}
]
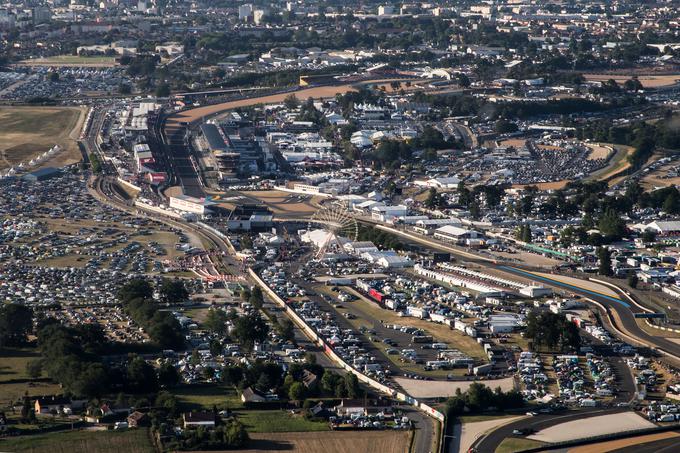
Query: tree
[
  {"x": 648, "y": 237},
  {"x": 173, "y": 291},
  {"x": 141, "y": 377},
  {"x": 352, "y": 385},
  {"x": 256, "y": 299},
  {"x": 633, "y": 280},
  {"x": 16, "y": 322},
  {"x": 612, "y": 225},
  {"x": 163, "y": 90},
  {"x": 54, "y": 76},
  {"x": 135, "y": 289},
  {"x": 605, "y": 260},
  {"x": 250, "y": 329},
  {"x": 216, "y": 321},
  {"x": 296, "y": 391},
  {"x": 671, "y": 204},
  {"x": 286, "y": 330},
  {"x": 291, "y": 102},
  {"x": 552, "y": 330},
  {"x": 168, "y": 376},
  {"x": 504, "y": 126},
  {"x": 124, "y": 88},
  {"x": 433, "y": 200}
]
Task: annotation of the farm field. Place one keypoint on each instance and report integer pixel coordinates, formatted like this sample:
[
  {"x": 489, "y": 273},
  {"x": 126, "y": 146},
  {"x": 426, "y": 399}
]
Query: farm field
[
  {"x": 133, "y": 441},
  {"x": 71, "y": 60},
  {"x": 648, "y": 81},
  {"x": 331, "y": 442},
  {"x": 27, "y": 132}
]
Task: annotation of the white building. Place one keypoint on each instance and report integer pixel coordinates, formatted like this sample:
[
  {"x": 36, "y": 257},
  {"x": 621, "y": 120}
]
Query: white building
[{"x": 193, "y": 205}]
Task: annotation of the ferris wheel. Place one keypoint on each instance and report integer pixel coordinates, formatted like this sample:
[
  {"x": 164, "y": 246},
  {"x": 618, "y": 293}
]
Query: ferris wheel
[{"x": 337, "y": 222}]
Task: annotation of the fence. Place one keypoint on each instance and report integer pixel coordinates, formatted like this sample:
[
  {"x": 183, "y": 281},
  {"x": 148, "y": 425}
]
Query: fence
[{"x": 328, "y": 350}]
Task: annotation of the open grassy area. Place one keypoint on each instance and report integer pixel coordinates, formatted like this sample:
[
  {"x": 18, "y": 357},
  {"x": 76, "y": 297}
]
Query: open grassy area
[
  {"x": 278, "y": 421},
  {"x": 27, "y": 132},
  {"x": 71, "y": 60},
  {"x": 13, "y": 363},
  {"x": 331, "y": 442},
  {"x": 512, "y": 444},
  {"x": 204, "y": 397},
  {"x": 133, "y": 441}
]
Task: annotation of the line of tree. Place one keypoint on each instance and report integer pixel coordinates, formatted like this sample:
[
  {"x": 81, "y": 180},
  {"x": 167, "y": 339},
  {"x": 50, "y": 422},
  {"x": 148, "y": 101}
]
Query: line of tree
[
  {"x": 16, "y": 322},
  {"x": 478, "y": 397},
  {"x": 161, "y": 326}
]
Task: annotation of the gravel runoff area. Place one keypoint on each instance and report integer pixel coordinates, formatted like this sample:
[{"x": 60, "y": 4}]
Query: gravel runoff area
[
  {"x": 467, "y": 433},
  {"x": 593, "y": 426},
  {"x": 432, "y": 389}
]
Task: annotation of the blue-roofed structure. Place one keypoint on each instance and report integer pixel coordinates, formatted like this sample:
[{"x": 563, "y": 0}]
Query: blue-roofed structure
[{"x": 41, "y": 175}]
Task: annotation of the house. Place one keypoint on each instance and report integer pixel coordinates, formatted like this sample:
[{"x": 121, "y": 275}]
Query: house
[
  {"x": 50, "y": 404},
  {"x": 195, "y": 419},
  {"x": 320, "y": 411},
  {"x": 309, "y": 379},
  {"x": 250, "y": 395},
  {"x": 138, "y": 419}
]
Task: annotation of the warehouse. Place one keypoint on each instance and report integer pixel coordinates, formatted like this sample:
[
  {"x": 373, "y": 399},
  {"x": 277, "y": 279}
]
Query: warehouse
[{"x": 42, "y": 175}]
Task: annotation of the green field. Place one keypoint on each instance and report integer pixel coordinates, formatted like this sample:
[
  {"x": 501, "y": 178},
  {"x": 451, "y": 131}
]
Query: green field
[
  {"x": 278, "y": 421},
  {"x": 205, "y": 397},
  {"x": 133, "y": 441},
  {"x": 73, "y": 60}
]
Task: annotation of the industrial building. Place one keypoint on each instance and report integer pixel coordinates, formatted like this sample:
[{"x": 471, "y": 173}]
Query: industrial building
[{"x": 41, "y": 175}]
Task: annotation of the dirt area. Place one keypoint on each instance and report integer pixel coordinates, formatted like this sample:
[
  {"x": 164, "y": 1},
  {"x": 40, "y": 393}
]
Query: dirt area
[
  {"x": 598, "y": 151},
  {"x": 469, "y": 432},
  {"x": 554, "y": 185},
  {"x": 516, "y": 142},
  {"x": 331, "y": 442},
  {"x": 28, "y": 132},
  {"x": 656, "y": 178},
  {"x": 648, "y": 81},
  {"x": 614, "y": 445},
  {"x": 592, "y": 426},
  {"x": 433, "y": 389}
]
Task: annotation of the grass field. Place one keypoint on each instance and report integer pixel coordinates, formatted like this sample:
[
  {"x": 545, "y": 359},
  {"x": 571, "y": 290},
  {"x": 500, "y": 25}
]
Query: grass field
[
  {"x": 133, "y": 441},
  {"x": 14, "y": 381},
  {"x": 27, "y": 132},
  {"x": 71, "y": 60},
  {"x": 204, "y": 397},
  {"x": 331, "y": 442},
  {"x": 440, "y": 332},
  {"x": 513, "y": 444},
  {"x": 278, "y": 421}
]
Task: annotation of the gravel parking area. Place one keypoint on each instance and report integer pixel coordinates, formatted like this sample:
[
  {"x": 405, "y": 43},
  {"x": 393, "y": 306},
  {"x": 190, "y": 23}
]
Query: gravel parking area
[
  {"x": 431, "y": 389},
  {"x": 594, "y": 426}
]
